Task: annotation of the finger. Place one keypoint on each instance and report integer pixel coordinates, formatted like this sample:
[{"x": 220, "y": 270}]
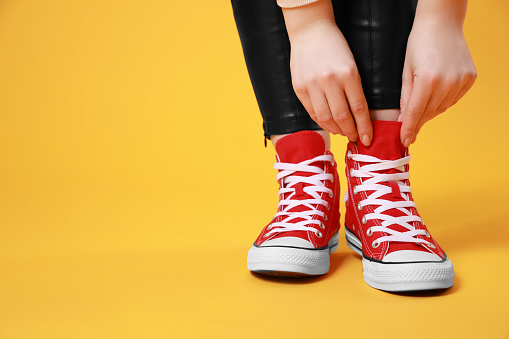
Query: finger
[
  {"x": 359, "y": 109},
  {"x": 431, "y": 113},
  {"x": 421, "y": 122},
  {"x": 466, "y": 87},
  {"x": 341, "y": 112},
  {"x": 341, "y": 131},
  {"x": 434, "y": 101},
  {"x": 304, "y": 98},
  {"x": 322, "y": 110},
  {"x": 444, "y": 96},
  {"x": 419, "y": 96},
  {"x": 406, "y": 88},
  {"x": 424, "y": 119},
  {"x": 448, "y": 100}
]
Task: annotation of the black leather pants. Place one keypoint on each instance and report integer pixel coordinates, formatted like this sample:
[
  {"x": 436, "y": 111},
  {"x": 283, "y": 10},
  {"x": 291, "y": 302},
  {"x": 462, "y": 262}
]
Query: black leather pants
[{"x": 376, "y": 31}]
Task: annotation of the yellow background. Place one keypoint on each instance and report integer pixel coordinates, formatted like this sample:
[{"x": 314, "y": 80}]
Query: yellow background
[{"x": 133, "y": 180}]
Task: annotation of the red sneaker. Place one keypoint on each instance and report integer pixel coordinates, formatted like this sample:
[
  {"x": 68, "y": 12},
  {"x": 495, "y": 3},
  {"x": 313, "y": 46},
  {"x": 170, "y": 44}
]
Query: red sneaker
[
  {"x": 304, "y": 231},
  {"x": 382, "y": 223}
]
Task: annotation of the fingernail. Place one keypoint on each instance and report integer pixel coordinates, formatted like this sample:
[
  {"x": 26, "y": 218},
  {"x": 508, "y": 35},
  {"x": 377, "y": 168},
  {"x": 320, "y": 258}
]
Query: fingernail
[
  {"x": 407, "y": 142},
  {"x": 366, "y": 140}
]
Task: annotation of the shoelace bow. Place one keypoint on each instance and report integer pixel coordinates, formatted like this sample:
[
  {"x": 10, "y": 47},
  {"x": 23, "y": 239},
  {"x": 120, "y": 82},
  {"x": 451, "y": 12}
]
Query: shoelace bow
[
  {"x": 372, "y": 184},
  {"x": 315, "y": 187}
]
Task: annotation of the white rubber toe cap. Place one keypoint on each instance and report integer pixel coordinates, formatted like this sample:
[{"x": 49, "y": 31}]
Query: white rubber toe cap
[
  {"x": 288, "y": 241},
  {"x": 411, "y": 256}
]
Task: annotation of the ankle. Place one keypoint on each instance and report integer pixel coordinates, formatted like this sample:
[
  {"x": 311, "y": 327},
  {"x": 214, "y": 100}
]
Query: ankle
[
  {"x": 391, "y": 114},
  {"x": 325, "y": 135}
]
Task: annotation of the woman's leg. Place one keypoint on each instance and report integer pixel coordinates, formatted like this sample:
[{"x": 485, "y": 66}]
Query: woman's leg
[
  {"x": 266, "y": 47},
  {"x": 304, "y": 230},
  {"x": 377, "y": 33}
]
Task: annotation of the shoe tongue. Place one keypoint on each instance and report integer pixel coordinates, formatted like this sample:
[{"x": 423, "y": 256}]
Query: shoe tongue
[
  {"x": 300, "y": 146},
  {"x": 295, "y": 148},
  {"x": 386, "y": 144}
]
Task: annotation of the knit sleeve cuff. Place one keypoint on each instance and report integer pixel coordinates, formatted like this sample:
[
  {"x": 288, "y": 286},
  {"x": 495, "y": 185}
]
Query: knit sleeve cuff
[{"x": 293, "y": 3}]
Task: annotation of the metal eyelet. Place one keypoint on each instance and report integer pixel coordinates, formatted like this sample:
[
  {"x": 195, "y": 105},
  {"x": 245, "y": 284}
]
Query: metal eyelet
[
  {"x": 349, "y": 154},
  {"x": 369, "y": 232},
  {"x": 355, "y": 190},
  {"x": 432, "y": 246},
  {"x": 351, "y": 172},
  {"x": 359, "y": 207},
  {"x": 353, "y": 227},
  {"x": 375, "y": 244},
  {"x": 331, "y": 195},
  {"x": 322, "y": 226},
  {"x": 427, "y": 234},
  {"x": 332, "y": 180},
  {"x": 319, "y": 234},
  {"x": 266, "y": 235},
  {"x": 325, "y": 217},
  {"x": 328, "y": 207},
  {"x": 364, "y": 220}
]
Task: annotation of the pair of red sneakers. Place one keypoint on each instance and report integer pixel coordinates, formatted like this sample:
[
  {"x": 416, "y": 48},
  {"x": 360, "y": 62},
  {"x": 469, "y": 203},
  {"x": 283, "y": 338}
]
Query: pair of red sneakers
[{"x": 381, "y": 221}]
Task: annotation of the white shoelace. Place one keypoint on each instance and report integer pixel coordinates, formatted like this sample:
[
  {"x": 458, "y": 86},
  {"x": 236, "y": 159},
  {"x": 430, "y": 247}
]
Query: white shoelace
[
  {"x": 378, "y": 190},
  {"x": 315, "y": 188}
]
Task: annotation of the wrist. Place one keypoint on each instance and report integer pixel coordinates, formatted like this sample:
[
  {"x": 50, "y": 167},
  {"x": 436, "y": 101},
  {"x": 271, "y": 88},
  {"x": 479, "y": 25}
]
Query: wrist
[
  {"x": 442, "y": 14},
  {"x": 304, "y": 20},
  {"x": 314, "y": 32},
  {"x": 438, "y": 24},
  {"x": 435, "y": 27}
]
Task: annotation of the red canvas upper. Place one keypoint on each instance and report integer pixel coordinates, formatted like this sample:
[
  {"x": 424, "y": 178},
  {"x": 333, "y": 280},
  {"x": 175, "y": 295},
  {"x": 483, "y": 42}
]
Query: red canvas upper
[
  {"x": 295, "y": 148},
  {"x": 386, "y": 145},
  {"x": 300, "y": 146},
  {"x": 386, "y": 142}
]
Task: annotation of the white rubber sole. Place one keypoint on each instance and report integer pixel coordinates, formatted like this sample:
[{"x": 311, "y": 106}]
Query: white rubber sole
[
  {"x": 291, "y": 261},
  {"x": 401, "y": 277}
]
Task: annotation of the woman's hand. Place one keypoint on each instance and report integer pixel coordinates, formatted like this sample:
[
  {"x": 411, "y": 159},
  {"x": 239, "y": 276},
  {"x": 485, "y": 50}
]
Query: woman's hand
[
  {"x": 324, "y": 74},
  {"x": 438, "y": 71}
]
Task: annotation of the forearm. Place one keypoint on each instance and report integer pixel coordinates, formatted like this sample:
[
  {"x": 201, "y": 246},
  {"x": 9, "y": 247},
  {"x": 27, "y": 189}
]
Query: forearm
[
  {"x": 444, "y": 12},
  {"x": 303, "y": 18}
]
